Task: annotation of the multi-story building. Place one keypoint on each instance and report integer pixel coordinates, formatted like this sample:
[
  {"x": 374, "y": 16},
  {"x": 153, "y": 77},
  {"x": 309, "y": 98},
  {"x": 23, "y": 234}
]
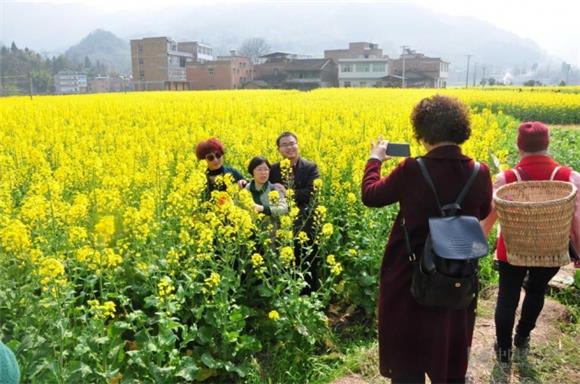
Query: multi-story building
[
  {"x": 201, "y": 52},
  {"x": 107, "y": 83},
  {"x": 285, "y": 70},
  {"x": 158, "y": 64},
  {"x": 357, "y": 50},
  {"x": 100, "y": 84},
  {"x": 420, "y": 70},
  {"x": 227, "y": 72},
  {"x": 362, "y": 72},
  {"x": 306, "y": 74},
  {"x": 272, "y": 70},
  {"x": 67, "y": 82}
]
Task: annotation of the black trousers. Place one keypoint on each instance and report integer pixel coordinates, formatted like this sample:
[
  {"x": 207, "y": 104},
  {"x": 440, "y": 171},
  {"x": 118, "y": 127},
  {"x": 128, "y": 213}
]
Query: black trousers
[{"x": 511, "y": 279}]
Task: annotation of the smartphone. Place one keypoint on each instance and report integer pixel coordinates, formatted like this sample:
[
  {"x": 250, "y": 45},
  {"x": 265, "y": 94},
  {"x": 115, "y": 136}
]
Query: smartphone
[{"x": 398, "y": 150}]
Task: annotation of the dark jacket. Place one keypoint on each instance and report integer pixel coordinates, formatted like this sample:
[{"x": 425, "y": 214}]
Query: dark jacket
[
  {"x": 412, "y": 337},
  {"x": 304, "y": 173},
  {"x": 224, "y": 170}
]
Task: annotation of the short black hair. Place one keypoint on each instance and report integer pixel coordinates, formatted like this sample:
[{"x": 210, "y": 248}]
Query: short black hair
[
  {"x": 441, "y": 118},
  {"x": 283, "y": 135},
  {"x": 257, "y": 161}
]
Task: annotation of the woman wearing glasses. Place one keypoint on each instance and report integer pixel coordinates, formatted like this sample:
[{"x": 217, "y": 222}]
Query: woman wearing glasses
[
  {"x": 212, "y": 150},
  {"x": 266, "y": 202}
]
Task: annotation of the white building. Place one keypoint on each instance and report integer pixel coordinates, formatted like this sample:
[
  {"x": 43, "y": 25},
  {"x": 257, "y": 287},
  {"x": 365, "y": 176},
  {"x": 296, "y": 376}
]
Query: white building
[
  {"x": 362, "y": 72},
  {"x": 68, "y": 82},
  {"x": 201, "y": 52}
]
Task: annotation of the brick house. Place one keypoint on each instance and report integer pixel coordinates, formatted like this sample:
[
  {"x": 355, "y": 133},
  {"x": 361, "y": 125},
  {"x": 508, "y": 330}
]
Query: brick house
[
  {"x": 307, "y": 74},
  {"x": 434, "y": 70},
  {"x": 158, "y": 64},
  {"x": 227, "y": 72},
  {"x": 356, "y": 50}
]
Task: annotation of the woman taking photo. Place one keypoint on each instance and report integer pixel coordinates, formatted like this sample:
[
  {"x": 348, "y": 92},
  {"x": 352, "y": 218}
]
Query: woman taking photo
[{"x": 415, "y": 340}]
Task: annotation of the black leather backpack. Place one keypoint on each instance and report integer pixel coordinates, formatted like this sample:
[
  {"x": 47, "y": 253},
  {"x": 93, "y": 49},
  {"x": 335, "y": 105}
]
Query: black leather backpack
[{"x": 446, "y": 273}]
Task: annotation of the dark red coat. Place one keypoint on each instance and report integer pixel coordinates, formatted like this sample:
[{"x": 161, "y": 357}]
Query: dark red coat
[{"x": 412, "y": 337}]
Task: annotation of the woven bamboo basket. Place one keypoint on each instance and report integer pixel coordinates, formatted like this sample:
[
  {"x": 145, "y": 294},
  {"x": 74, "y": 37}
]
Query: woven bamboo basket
[{"x": 535, "y": 219}]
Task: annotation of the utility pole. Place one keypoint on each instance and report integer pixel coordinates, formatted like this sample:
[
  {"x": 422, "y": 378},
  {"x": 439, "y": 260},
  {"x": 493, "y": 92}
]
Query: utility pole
[
  {"x": 404, "y": 48},
  {"x": 474, "y": 72},
  {"x": 467, "y": 74},
  {"x": 30, "y": 82}
]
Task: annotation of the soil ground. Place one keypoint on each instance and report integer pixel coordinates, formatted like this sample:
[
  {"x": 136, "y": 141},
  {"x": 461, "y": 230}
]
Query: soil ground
[{"x": 549, "y": 355}]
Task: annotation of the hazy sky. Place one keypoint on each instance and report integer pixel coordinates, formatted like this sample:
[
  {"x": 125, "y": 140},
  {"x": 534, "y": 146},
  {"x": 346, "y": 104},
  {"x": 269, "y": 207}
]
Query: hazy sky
[{"x": 552, "y": 24}]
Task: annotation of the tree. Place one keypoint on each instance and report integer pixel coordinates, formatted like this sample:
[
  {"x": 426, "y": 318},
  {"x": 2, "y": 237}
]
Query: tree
[{"x": 254, "y": 48}]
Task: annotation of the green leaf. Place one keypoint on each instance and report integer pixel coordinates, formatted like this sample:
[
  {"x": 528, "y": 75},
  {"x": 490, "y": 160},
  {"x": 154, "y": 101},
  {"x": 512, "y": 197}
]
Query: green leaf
[{"x": 209, "y": 361}]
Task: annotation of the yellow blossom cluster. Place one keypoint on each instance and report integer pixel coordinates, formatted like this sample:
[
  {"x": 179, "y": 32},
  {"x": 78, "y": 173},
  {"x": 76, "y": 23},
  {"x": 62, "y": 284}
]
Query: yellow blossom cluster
[
  {"x": 103, "y": 180},
  {"x": 335, "y": 267},
  {"x": 102, "y": 311}
]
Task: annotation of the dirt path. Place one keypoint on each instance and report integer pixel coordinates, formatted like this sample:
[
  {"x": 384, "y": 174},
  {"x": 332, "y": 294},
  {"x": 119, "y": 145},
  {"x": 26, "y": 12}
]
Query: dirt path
[{"x": 547, "y": 351}]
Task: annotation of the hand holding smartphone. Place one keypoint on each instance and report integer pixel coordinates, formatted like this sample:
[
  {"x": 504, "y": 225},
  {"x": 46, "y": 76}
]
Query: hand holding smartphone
[{"x": 398, "y": 150}]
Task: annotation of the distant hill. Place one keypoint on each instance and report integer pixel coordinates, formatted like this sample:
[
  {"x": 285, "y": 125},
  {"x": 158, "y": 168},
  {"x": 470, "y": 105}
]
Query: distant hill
[
  {"x": 295, "y": 27},
  {"x": 313, "y": 28},
  {"x": 103, "y": 47}
]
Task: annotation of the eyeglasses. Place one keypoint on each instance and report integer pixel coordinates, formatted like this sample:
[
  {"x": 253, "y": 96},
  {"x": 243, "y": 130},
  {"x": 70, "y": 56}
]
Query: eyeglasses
[
  {"x": 262, "y": 169},
  {"x": 213, "y": 156},
  {"x": 288, "y": 145}
]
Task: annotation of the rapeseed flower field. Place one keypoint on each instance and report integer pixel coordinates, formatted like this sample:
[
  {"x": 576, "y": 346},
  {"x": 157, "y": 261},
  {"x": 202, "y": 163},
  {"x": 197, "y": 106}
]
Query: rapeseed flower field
[{"x": 114, "y": 267}]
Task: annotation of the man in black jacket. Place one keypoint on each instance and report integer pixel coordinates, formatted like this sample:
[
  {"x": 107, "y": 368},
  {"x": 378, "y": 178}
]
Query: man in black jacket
[{"x": 299, "y": 177}]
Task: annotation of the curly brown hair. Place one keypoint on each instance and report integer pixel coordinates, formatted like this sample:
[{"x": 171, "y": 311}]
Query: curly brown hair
[
  {"x": 441, "y": 118},
  {"x": 204, "y": 148}
]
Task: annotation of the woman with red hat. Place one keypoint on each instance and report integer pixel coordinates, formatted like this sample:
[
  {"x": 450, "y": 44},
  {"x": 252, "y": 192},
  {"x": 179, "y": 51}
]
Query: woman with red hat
[
  {"x": 212, "y": 150},
  {"x": 535, "y": 164}
]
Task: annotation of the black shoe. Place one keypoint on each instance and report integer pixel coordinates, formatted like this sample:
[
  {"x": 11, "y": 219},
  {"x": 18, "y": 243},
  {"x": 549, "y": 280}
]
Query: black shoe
[
  {"x": 503, "y": 355},
  {"x": 522, "y": 342}
]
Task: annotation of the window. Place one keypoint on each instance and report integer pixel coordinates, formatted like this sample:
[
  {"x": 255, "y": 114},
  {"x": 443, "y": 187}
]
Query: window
[
  {"x": 346, "y": 67},
  {"x": 141, "y": 61},
  {"x": 142, "y": 75},
  {"x": 379, "y": 67},
  {"x": 363, "y": 83},
  {"x": 347, "y": 84},
  {"x": 210, "y": 71},
  {"x": 363, "y": 67}
]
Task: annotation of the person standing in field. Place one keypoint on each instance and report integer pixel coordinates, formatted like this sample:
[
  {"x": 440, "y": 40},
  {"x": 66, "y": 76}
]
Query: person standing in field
[
  {"x": 212, "y": 151},
  {"x": 262, "y": 190},
  {"x": 535, "y": 164},
  {"x": 416, "y": 340},
  {"x": 299, "y": 175}
]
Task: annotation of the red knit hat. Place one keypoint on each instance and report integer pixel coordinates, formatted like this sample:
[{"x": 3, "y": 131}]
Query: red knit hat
[{"x": 533, "y": 136}]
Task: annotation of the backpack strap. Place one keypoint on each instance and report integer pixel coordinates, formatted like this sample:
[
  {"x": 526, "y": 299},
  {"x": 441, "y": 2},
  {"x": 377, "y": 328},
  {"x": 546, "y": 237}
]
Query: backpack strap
[
  {"x": 457, "y": 204},
  {"x": 470, "y": 182},
  {"x": 426, "y": 176}
]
